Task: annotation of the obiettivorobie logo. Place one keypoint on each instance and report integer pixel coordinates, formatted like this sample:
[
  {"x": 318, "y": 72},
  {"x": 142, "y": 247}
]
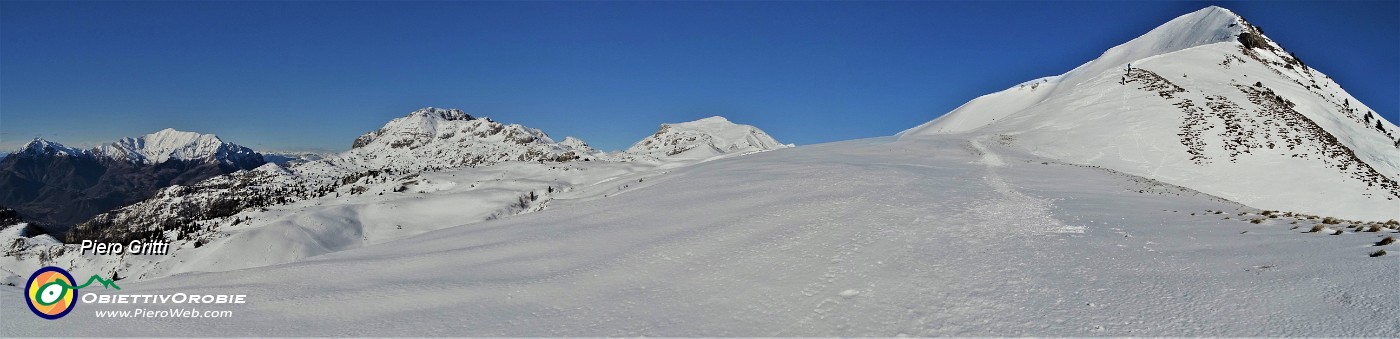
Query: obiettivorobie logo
[{"x": 51, "y": 293}]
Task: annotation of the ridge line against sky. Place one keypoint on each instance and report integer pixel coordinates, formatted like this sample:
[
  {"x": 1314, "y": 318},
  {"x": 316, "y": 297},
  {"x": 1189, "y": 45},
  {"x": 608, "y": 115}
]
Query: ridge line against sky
[{"x": 314, "y": 75}]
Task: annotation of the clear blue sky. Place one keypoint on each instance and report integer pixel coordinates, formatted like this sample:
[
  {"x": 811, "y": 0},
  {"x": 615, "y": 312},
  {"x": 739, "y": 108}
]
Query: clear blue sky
[{"x": 313, "y": 75}]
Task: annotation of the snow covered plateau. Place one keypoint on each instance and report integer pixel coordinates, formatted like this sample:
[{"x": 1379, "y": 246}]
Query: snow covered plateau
[{"x": 880, "y": 237}]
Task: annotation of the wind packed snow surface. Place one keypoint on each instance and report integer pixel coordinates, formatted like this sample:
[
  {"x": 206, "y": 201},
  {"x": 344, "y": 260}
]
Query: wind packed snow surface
[{"x": 945, "y": 235}]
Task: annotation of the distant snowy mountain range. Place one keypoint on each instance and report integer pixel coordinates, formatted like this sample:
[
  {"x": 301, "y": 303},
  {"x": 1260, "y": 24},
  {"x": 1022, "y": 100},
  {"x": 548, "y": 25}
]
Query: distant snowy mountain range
[
  {"x": 289, "y": 158},
  {"x": 58, "y": 186},
  {"x": 151, "y": 149},
  {"x": 1209, "y": 103}
]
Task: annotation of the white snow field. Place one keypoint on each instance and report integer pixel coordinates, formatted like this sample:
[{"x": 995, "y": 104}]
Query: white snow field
[{"x": 941, "y": 235}]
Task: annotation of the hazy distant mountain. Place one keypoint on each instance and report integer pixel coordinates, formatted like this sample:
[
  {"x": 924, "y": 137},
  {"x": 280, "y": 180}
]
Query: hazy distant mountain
[{"x": 286, "y": 159}]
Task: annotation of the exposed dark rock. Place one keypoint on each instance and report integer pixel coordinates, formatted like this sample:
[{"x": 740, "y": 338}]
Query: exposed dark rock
[{"x": 1251, "y": 40}]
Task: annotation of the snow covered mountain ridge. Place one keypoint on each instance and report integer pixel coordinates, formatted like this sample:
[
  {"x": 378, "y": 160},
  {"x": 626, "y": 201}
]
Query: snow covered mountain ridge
[
  {"x": 169, "y": 144},
  {"x": 435, "y": 138},
  {"x": 56, "y": 186},
  {"x": 39, "y": 146},
  {"x": 1209, "y": 103},
  {"x": 155, "y": 148}
]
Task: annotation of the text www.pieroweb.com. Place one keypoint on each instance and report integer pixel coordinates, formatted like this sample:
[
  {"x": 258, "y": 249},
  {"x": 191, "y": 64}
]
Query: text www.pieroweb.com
[{"x": 164, "y": 313}]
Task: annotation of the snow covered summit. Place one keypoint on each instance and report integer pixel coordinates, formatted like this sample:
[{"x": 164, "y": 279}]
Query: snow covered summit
[
  {"x": 39, "y": 146},
  {"x": 436, "y": 138},
  {"x": 169, "y": 144},
  {"x": 704, "y": 138},
  {"x": 1203, "y": 27},
  {"x": 1206, "y": 26},
  {"x": 1209, "y": 103}
]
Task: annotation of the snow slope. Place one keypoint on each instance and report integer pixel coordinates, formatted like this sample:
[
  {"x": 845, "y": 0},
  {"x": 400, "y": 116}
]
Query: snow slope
[
  {"x": 942, "y": 236},
  {"x": 1212, "y": 104},
  {"x": 1207, "y": 26},
  {"x": 394, "y": 209}
]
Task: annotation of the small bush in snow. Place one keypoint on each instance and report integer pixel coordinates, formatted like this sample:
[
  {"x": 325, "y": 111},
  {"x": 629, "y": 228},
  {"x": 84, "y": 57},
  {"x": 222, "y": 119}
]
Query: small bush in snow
[
  {"x": 1256, "y": 221},
  {"x": 1374, "y": 228},
  {"x": 1316, "y": 228},
  {"x": 1338, "y": 232},
  {"x": 1377, "y": 253},
  {"x": 1386, "y": 241},
  {"x": 1331, "y": 221}
]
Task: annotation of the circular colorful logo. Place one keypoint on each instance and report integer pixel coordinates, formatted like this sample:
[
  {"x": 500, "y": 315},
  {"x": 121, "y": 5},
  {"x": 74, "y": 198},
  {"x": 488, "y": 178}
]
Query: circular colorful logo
[{"x": 50, "y": 292}]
